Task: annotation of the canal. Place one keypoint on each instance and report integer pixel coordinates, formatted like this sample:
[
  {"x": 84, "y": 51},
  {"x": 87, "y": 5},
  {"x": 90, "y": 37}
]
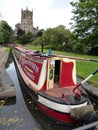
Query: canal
[
  {"x": 21, "y": 113},
  {"x": 16, "y": 116}
]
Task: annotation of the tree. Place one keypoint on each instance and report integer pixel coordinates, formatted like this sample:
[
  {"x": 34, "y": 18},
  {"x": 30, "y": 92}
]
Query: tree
[
  {"x": 26, "y": 38},
  {"x": 40, "y": 33},
  {"x": 20, "y": 33},
  {"x": 58, "y": 37},
  {"x": 5, "y": 32},
  {"x": 85, "y": 23}
]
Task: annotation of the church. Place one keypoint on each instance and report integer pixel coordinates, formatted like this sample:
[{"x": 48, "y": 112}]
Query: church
[{"x": 26, "y": 22}]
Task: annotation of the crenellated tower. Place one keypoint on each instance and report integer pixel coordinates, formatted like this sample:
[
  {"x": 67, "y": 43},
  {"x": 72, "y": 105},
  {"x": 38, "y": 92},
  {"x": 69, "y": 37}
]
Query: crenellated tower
[
  {"x": 27, "y": 20},
  {"x": 26, "y": 23}
]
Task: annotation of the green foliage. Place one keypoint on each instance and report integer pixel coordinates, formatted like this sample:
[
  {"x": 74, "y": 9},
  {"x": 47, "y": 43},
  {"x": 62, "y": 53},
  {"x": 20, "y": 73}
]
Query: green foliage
[
  {"x": 40, "y": 33},
  {"x": 85, "y": 23},
  {"x": 5, "y": 32},
  {"x": 20, "y": 33},
  {"x": 59, "y": 38},
  {"x": 7, "y": 49},
  {"x": 26, "y": 38}
]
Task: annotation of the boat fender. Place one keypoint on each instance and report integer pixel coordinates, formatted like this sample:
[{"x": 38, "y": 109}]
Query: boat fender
[{"x": 80, "y": 112}]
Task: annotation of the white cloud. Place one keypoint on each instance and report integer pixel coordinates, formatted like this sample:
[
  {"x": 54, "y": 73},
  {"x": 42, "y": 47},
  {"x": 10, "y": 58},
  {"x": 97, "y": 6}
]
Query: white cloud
[{"x": 46, "y": 13}]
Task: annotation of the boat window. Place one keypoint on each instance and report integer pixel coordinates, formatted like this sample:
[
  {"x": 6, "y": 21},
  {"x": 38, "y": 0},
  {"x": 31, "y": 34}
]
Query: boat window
[{"x": 51, "y": 74}]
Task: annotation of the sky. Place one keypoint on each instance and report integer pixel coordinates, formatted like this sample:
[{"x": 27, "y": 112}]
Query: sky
[{"x": 46, "y": 13}]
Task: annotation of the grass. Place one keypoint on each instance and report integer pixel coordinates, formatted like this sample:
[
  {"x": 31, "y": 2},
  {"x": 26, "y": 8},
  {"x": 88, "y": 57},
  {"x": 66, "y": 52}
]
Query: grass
[
  {"x": 83, "y": 68},
  {"x": 7, "y": 49}
]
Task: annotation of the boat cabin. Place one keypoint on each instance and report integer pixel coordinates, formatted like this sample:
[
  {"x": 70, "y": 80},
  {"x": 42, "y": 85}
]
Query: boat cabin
[
  {"x": 47, "y": 72},
  {"x": 61, "y": 72}
]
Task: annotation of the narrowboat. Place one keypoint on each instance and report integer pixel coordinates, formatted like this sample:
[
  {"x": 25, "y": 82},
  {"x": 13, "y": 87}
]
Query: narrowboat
[{"x": 52, "y": 83}]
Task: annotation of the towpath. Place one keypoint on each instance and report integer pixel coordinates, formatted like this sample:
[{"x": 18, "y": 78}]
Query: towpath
[
  {"x": 90, "y": 88},
  {"x": 7, "y": 87}
]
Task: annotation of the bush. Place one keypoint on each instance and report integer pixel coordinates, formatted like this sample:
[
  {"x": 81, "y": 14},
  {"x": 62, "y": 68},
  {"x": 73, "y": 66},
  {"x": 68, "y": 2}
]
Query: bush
[{"x": 26, "y": 38}]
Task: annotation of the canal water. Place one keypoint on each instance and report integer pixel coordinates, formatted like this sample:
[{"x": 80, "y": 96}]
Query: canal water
[
  {"x": 22, "y": 113},
  {"x": 17, "y": 116}
]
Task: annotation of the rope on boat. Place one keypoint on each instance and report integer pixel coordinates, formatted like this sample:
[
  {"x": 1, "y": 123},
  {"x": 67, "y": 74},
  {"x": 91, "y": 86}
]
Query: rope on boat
[{"x": 80, "y": 112}]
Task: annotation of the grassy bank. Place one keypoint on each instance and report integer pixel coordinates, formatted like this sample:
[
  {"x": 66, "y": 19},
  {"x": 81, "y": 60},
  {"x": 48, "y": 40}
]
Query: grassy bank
[
  {"x": 7, "y": 49},
  {"x": 84, "y": 68}
]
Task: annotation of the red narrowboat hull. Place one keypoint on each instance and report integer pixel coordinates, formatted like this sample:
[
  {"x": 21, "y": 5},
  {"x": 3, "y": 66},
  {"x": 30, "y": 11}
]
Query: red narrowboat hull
[{"x": 61, "y": 117}]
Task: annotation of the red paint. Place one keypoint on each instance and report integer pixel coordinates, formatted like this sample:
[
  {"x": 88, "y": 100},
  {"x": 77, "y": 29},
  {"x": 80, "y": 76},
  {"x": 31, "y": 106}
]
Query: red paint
[
  {"x": 32, "y": 69},
  {"x": 77, "y": 91},
  {"x": 66, "y": 78},
  {"x": 56, "y": 115}
]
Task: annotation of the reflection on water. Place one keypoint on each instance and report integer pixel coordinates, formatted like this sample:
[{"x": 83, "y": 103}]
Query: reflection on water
[
  {"x": 17, "y": 116},
  {"x": 12, "y": 72}
]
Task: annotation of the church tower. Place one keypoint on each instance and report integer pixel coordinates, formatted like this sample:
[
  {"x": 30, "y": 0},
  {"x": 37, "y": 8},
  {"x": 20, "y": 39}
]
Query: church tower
[
  {"x": 26, "y": 23},
  {"x": 27, "y": 20}
]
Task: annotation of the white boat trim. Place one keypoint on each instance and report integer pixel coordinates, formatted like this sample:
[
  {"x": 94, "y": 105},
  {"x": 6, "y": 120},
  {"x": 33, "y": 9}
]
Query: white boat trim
[{"x": 58, "y": 106}]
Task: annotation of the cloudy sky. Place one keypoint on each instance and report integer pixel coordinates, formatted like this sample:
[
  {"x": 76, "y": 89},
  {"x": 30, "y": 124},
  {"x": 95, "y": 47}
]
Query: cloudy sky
[{"x": 46, "y": 13}]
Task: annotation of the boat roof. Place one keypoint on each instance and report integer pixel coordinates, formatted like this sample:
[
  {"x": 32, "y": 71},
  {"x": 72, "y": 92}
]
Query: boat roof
[{"x": 39, "y": 54}]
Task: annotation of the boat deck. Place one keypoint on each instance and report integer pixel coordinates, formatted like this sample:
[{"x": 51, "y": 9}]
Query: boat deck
[{"x": 58, "y": 92}]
